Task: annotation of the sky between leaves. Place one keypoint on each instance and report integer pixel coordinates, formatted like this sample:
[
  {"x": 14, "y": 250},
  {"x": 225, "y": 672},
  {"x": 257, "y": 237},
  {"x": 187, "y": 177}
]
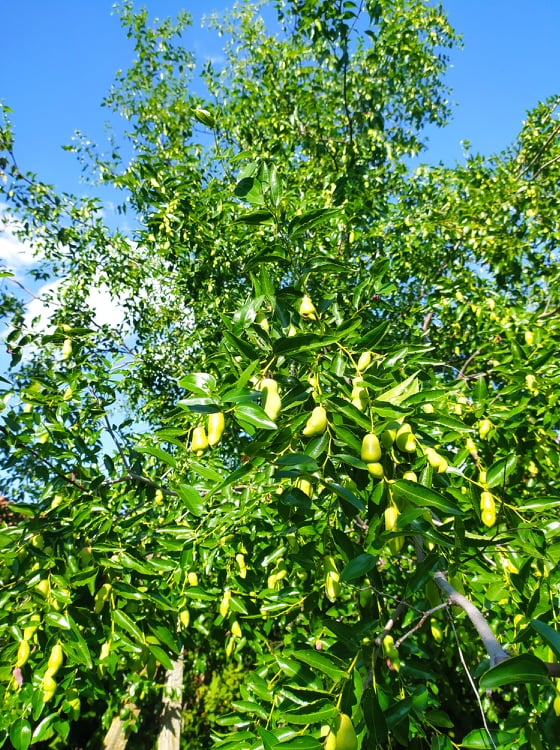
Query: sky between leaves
[{"x": 59, "y": 60}]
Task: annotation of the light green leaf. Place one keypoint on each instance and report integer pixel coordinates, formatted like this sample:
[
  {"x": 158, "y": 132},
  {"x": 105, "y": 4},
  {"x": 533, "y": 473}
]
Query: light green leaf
[{"x": 522, "y": 668}]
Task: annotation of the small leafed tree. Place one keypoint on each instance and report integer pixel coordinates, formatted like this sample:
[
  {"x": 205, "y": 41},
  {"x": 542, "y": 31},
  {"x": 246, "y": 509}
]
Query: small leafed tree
[{"x": 304, "y": 492}]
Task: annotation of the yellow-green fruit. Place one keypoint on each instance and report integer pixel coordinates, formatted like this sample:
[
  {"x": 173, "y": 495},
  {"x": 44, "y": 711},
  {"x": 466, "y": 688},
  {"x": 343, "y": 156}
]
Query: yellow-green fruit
[
  {"x": 199, "y": 440},
  {"x": 405, "y": 439},
  {"x": 359, "y": 396},
  {"x": 371, "y": 448},
  {"x": 49, "y": 687},
  {"x": 556, "y": 705},
  {"x": 272, "y": 401},
  {"x": 236, "y": 629},
  {"x": 410, "y": 476},
  {"x": 317, "y": 422},
  {"x": 240, "y": 559},
  {"x": 364, "y": 361},
  {"x": 55, "y": 659},
  {"x": 529, "y": 338},
  {"x": 185, "y": 618},
  {"x": 437, "y": 633},
  {"x": 376, "y": 470},
  {"x": 484, "y": 427},
  {"x": 216, "y": 426},
  {"x": 101, "y": 597},
  {"x": 342, "y": 736},
  {"x": 488, "y": 508},
  {"x": 437, "y": 461},
  {"x": 192, "y": 578},
  {"x": 306, "y": 308},
  {"x": 67, "y": 349},
  {"x": 23, "y": 653},
  {"x": 332, "y": 578},
  {"x": 389, "y": 434},
  {"x": 224, "y": 604},
  {"x": 391, "y": 516},
  {"x": 29, "y": 631}
]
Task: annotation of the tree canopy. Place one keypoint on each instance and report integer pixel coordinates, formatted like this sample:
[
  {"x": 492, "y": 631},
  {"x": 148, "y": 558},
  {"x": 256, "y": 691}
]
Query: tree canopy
[{"x": 303, "y": 493}]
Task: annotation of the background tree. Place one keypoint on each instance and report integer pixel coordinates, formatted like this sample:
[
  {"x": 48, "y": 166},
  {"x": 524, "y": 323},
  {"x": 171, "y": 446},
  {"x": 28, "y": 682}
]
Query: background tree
[{"x": 381, "y": 343}]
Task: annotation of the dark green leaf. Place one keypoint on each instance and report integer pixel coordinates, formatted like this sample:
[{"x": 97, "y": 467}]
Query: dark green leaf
[{"x": 522, "y": 668}]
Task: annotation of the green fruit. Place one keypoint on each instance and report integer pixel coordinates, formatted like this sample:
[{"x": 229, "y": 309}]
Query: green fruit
[
  {"x": 364, "y": 361},
  {"x": 376, "y": 470},
  {"x": 216, "y": 426},
  {"x": 405, "y": 439},
  {"x": 199, "y": 440},
  {"x": 101, "y": 597},
  {"x": 23, "y": 653},
  {"x": 484, "y": 427},
  {"x": 67, "y": 349},
  {"x": 307, "y": 309},
  {"x": 272, "y": 402},
  {"x": 436, "y": 461},
  {"x": 55, "y": 659},
  {"x": 332, "y": 578},
  {"x": 342, "y": 736},
  {"x": 371, "y": 448},
  {"x": 317, "y": 422}
]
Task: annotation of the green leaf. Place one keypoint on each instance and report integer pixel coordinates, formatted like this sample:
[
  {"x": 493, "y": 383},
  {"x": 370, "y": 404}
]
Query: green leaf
[
  {"x": 122, "y": 620},
  {"x": 204, "y": 117},
  {"x": 374, "y": 718},
  {"x": 346, "y": 494},
  {"x": 500, "y": 470},
  {"x": 551, "y": 636},
  {"x": 198, "y": 382},
  {"x": 44, "y": 728},
  {"x": 254, "y": 217},
  {"x": 322, "y": 663},
  {"x": 477, "y": 739},
  {"x": 312, "y": 713},
  {"x": 152, "y": 450},
  {"x": 192, "y": 499},
  {"x": 522, "y": 668},
  {"x": 358, "y": 567},
  {"x": 423, "y": 497},
  {"x": 161, "y": 656},
  {"x": 20, "y": 734},
  {"x": 253, "y": 414},
  {"x": 400, "y": 392}
]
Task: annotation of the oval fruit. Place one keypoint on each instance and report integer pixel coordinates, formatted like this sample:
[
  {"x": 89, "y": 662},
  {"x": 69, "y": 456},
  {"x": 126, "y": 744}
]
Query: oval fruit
[
  {"x": 67, "y": 349},
  {"x": 49, "y": 687},
  {"x": 376, "y": 470},
  {"x": 484, "y": 427},
  {"x": 371, "y": 448},
  {"x": 199, "y": 440},
  {"x": 342, "y": 736},
  {"x": 101, "y": 597},
  {"x": 23, "y": 653},
  {"x": 216, "y": 426},
  {"x": 307, "y": 309},
  {"x": 332, "y": 578},
  {"x": 364, "y": 361},
  {"x": 272, "y": 402},
  {"x": 405, "y": 439},
  {"x": 55, "y": 659},
  {"x": 436, "y": 461},
  {"x": 317, "y": 422},
  {"x": 410, "y": 476}
]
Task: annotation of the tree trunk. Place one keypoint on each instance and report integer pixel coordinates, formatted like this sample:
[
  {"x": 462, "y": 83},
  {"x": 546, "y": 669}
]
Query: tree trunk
[{"x": 170, "y": 733}]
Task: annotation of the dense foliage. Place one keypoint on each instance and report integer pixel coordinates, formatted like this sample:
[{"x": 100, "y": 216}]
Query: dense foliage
[{"x": 313, "y": 469}]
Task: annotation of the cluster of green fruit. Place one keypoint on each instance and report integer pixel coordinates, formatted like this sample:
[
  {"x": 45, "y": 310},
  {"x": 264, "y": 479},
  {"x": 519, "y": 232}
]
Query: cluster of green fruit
[{"x": 203, "y": 437}]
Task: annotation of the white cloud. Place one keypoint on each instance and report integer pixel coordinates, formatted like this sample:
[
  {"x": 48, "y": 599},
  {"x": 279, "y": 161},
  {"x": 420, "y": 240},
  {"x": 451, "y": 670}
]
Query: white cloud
[{"x": 14, "y": 254}]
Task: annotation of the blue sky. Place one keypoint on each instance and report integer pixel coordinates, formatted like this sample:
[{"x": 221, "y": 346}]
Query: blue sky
[{"x": 59, "y": 59}]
